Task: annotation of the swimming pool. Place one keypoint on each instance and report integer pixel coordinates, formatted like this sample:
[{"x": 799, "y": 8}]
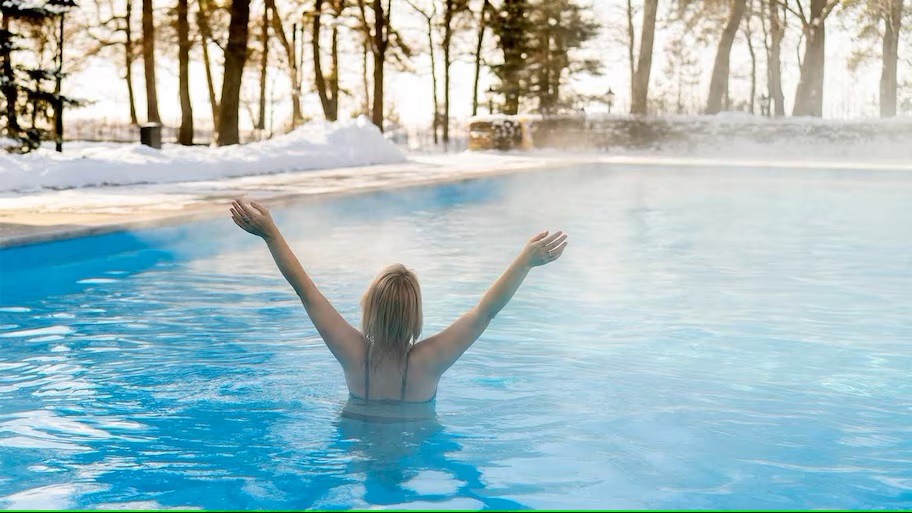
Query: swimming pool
[{"x": 712, "y": 338}]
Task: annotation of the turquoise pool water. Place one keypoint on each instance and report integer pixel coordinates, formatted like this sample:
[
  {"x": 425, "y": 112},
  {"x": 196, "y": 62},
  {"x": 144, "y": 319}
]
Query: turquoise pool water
[{"x": 712, "y": 338}]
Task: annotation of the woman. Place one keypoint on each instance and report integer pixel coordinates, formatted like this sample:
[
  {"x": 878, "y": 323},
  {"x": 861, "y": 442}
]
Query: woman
[{"x": 385, "y": 361}]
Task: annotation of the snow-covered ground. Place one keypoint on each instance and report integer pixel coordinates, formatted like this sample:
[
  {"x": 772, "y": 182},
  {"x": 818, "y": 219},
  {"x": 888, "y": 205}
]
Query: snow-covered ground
[
  {"x": 356, "y": 143},
  {"x": 312, "y": 146}
]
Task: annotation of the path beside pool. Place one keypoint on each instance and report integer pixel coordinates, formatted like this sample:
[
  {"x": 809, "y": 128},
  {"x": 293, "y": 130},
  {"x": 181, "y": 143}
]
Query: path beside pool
[
  {"x": 33, "y": 217},
  {"x": 28, "y": 218}
]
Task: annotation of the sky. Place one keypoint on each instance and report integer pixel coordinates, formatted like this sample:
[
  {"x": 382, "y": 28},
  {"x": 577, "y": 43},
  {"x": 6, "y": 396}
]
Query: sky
[{"x": 847, "y": 94}]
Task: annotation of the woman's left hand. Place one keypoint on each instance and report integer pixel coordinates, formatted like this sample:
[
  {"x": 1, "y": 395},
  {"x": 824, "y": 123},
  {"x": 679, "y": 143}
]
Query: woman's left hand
[{"x": 254, "y": 218}]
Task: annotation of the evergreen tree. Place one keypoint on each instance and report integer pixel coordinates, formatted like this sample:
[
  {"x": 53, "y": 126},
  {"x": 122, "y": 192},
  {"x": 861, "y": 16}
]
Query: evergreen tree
[{"x": 31, "y": 98}]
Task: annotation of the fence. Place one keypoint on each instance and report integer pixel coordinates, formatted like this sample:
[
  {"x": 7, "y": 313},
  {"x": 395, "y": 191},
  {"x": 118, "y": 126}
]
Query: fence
[
  {"x": 108, "y": 131},
  {"x": 412, "y": 138}
]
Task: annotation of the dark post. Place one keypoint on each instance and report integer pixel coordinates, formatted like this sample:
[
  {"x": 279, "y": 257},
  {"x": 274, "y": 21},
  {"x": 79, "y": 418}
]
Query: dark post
[
  {"x": 58, "y": 101},
  {"x": 150, "y": 135}
]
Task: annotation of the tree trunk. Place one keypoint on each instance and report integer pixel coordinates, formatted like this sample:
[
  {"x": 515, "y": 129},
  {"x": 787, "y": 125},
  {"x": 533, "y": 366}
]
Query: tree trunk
[
  {"x": 148, "y": 29},
  {"x": 381, "y": 41},
  {"x": 750, "y": 48},
  {"x": 447, "y": 40},
  {"x": 809, "y": 94},
  {"x": 185, "y": 135},
  {"x": 718, "y": 86},
  {"x": 435, "y": 122},
  {"x": 429, "y": 19},
  {"x": 8, "y": 84},
  {"x": 235, "y": 58},
  {"x": 334, "y": 75},
  {"x": 631, "y": 43},
  {"x": 644, "y": 64},
  {"x": 319, "y": 78},
  {"x": 513, "y": 44},
  {"x": 279, "y": 32},
  {"x": 482, "y": 25},
  {"x": 202, "y": 21},
  {"x": 264, "y": 61},
  {"x": 774, "y": 64},
  {"x": 366, "y": 99},
  {"x": 128, "y": 60},
  {"x": 892, "y": 26},
  {"x": 545, "y": 104}
]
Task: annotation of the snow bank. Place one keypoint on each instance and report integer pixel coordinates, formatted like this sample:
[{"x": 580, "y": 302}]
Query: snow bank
[
  {"x": 312, "y": 146},
  {"x": 730, "y": 135}
]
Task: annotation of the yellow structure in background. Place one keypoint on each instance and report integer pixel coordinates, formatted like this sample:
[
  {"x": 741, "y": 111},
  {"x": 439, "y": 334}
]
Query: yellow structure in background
[{"x": 500, "y": 132}]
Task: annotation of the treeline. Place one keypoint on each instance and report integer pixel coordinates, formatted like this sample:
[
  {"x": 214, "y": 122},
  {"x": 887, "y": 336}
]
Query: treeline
[{"x": 336, "y": 49}]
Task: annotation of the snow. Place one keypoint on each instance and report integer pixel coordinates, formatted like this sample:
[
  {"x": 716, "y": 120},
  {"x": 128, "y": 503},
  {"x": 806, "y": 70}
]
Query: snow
[
  {"x": 7, "y": 143},
  {"x": 356, "y": 143},
  {"x": 316, "y": 145}
]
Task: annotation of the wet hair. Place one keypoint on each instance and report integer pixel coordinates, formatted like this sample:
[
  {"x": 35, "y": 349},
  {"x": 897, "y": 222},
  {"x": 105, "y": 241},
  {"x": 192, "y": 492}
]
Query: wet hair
[{"x": 391, "y": 313}]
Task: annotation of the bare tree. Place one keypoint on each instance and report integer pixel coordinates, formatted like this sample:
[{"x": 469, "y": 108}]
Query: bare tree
[
  {"x": 809, "y": 94},
  {"x": 292, "y": 68},
  {"x": 749, "y": 39},
  {"x": 640, "y": 91},
  {"x": 631, "y": 44},
  {"x": 365, "y": 82},
  {"x": 202, "y": 21},
  {"x": 718, "y": 87},
  {"x": 235, "y": 59},
  {"x": 185, "y": 135},
  {"x": 264, "y": 64},
  {"x": 430, "y": 16},
  {"x": 451, "y": 9},
  {"x": 104, "y": 31},
  {"x": 148, "y": 29},
  {"x": 129, "y": 57},
  {"x": 327, "y": 86},
  {"x": 378, "y": 35},
  {"x": 772, "y": 40},
  {"x": 892, "y": 11},
  {"x": 483, "y": 13}
]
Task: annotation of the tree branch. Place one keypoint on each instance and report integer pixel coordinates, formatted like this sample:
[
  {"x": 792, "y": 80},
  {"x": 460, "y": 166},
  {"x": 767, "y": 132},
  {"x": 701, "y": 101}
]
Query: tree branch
[
  {"x": 427, "y": 16},
  {"x": 800, "y": 14},
  {"x": 366, "y": 28},
  {"x": 829, "y": 8}
]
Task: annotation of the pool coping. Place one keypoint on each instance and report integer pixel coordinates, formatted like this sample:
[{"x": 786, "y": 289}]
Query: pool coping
[
  {"x": 45, "y": 216},
  {"x": 37, "y": 223}
]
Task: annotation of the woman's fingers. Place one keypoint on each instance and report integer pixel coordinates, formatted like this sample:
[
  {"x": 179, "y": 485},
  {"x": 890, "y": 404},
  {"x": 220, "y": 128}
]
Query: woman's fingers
[
  {"x": 538, "y": 237},
  {"x": 245, "y": 209},
  {"x": 242, "y": 209},
  {"x": 549, "y": 239},
  {"x": 260, "y": 208},
  {"x": 246, "y": 229},
  {"x": 556, "y": 242},
  {"x": 558, "y": 251}
]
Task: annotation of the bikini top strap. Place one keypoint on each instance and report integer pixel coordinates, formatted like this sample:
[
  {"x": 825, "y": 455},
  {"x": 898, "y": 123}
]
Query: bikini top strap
[
  {"x": 367, "y": 382},
  {"x": 405, "y": 375}
]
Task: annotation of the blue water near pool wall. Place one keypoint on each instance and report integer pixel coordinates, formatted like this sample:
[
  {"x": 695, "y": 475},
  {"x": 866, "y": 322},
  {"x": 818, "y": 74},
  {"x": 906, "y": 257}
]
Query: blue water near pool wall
[
  {"x": 713, "y": 338},
  {"x": 35, "y": 270}
]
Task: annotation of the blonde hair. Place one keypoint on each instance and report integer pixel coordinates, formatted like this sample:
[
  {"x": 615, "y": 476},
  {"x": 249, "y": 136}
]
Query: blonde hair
[{"x": 391, "y": 313}]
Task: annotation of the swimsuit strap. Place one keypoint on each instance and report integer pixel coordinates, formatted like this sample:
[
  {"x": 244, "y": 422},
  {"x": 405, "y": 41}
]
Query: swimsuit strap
[
  {"x": 405, "y": 375},
  {"x": 367, "y": 382}
]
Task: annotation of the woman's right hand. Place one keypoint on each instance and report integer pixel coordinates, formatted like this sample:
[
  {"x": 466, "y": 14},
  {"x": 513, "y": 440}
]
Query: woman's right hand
[
  {"x": 543, "y": 248},
  {"x": 254, "y": 218}
]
